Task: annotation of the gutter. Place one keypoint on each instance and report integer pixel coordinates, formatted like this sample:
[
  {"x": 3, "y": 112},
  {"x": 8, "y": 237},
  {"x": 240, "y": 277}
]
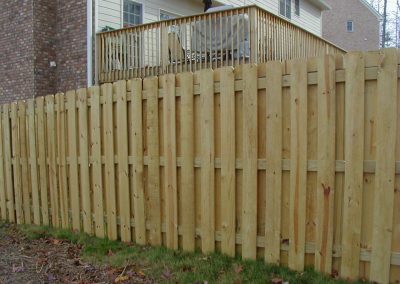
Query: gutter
[{"x": 89, "y": 41}]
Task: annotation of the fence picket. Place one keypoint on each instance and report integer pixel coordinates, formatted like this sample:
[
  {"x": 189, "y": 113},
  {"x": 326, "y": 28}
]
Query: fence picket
[
  {"x": 150, "y": 85},
  {"x": 8, "y": 164},
  {"x": 33, "y": 161},
  {"x": 171, "y": 191},
  {"x": 138, "y": 168},
  {"x": 298, "y": 164},
  {"x": 228, "y": 171},
  {"x": 44, "y": 201},
  {"x": 16, "y": 164},
  {"x": 109, "y": 186},
  {"x": 84, "y": 158},
  {"x": 24, "y": 162},
  {"x": 385, "y": 167},
  {"x": 273, "y": 142},
  {"x": 123, "y": 170},
  {"x": 62, "y": 160},
  {"x": 3, "y": 188},
  {"x": 207, "y": 160},
  {"x": 326, "y": 100},
  {"x": 249, "y": 196},
  {"x": 187, "y": 172},
  {"x": 73, "y": 160},
  {"x": 96, "y": 161},
  {"x": 354, "y": 154}
]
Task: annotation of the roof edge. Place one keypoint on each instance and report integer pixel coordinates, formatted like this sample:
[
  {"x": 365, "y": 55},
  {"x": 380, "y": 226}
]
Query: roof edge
[
  {"x": 372, "y": 9},
  {"x": 321, "y": 4}
]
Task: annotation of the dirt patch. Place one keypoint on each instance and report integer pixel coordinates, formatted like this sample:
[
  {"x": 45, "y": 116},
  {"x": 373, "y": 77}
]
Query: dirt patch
[{"x": 48, "y": 260}]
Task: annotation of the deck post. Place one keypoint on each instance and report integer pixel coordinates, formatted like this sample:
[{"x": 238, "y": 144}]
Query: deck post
[
  {"x": 164, "y": 48},
  {"x": 253, "y": 16}
]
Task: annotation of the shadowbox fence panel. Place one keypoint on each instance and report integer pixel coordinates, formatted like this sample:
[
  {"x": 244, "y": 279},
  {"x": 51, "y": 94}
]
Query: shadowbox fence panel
[{"x": 297, "y": 163}]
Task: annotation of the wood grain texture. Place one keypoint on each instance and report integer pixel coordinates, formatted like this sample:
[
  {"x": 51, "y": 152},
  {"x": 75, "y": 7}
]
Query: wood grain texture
[
  {"x": 43, "y": 169},
  {"x": 273, "y": 142},
  {"x": 73, "y": 160},
  {"x": 16, "y": 166},
  {"x": 171, "y": 191},
  {"x": 97, "y": 172},
  {"x": 138, "y": 168},
  {"x": 110, "y": 183},
  {"x": 123, "y": 170},
  {"x": 326, "y": 101},
  {"x": 354, "y": 154},
  {"x": 33, "y": 161},
  {"x": 385, "y": 166},
  {"x": 298, "y": 164},
  {"x": 187, "y": 144},
  {"x": 84, "y": 161},
  {"x": 150, "y": 85},
  {"x": 249, "y": 195},
  {"x": 228, "y": 171},
  {"x": 8, "y": 164},
  {"x": 207, "y": 160}
]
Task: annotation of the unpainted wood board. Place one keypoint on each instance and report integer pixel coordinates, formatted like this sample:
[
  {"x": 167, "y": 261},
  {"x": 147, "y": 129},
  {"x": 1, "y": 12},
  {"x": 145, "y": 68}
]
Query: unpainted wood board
[
  {"x": 274, "y": 135},
  {"x": 354, "y": 154},
  {"x": 18, "y": 197},
  {"x": 138, "y": 167},
  {"x": 43, "y": 169},
  {"x": 385, "y": 167},
  {"x": 24, "y": 162},
  {"x": 33, "y": 161},
  {"x": 298, "y": 165},
  {"x": 249, "y": 194},
  {"x": 8, "y": 163},
  {"x": 150, "y": 85},
  {"x": 207, "y": 158},
  {"x": 170, "y": 186},
  {"x": 187, "y": 153},
  {"x": 228, "y": 171},
  {"x": 84, "y": 161},
  {"x": 3, "y": 188},
  {"x": 119, "y": 88},
  {"x": 61, "y": 160},
  {"x": 73, "y": 179},
  {"x": 95, "y": 113},
  {"x": 110, "y": 182},
  {"x": 326, "y": 163}
]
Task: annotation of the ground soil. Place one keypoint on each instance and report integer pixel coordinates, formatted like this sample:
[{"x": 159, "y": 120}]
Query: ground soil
[{"x": 49, "y": 260}]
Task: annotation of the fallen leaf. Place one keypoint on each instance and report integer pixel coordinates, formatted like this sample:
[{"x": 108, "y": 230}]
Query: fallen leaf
[
  {"x": 167, "y": 274},
  {"x": 121, "y": 279},
  {"x": 56, "y": 242},
  {"x": 141, "y": 273},
  {"x": 277, "y": 281},
  {"x": 238, "y": 269},
  {"x": 110, "y": 253}
]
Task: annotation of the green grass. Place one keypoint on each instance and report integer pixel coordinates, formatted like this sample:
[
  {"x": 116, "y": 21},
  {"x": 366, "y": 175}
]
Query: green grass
[{"x": 169, "y": 266}]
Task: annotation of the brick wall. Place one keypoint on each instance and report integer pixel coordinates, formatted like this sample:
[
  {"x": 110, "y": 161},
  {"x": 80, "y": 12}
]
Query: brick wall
[
  {"x": 366, "y": 25},
  {"x": 34, "y": 33},
  {"x": 16, "y": 50}
]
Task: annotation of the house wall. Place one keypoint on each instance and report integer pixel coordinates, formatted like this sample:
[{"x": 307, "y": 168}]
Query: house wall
[
  {"x": 366, "y": 25},
  {"x": 110, "y": 11},
  {"x": 16, "y": 45},
  {"x": 35, "y": 33}
]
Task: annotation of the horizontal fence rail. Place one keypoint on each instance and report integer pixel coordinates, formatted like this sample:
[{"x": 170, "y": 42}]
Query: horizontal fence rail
[
  {"x": 211, "y": 40},
  {"x": 297, "y": 162}
]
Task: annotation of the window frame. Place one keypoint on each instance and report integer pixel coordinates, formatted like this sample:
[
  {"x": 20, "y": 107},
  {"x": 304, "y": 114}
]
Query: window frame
[
  {"x": 287, "y": 11},
  {"x": 297, "y": 7},
  {"x": 141, "y": 5},
  {"x": 166, "y": 12},
  {"x": 352, "y": 26}
]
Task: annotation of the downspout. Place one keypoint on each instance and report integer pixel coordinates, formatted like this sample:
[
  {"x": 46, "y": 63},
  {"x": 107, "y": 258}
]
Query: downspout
[{"x": 89, "y": 40}]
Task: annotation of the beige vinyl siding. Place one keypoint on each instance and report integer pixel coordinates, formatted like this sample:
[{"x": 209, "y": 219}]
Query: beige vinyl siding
[
  {"x": 309, "y": 19},
  {"x": 109, "y": 11}
]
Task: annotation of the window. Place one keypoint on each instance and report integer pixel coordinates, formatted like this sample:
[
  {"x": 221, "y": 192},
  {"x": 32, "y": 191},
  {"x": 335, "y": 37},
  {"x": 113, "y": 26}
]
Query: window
[
  {"x": 132, "y": 13},
  {"x": 350, "y": 26},
  {"x": 297, "y": 7},
  {"x": 164, "y": 15},
  {"x": 285, "y": 8}
]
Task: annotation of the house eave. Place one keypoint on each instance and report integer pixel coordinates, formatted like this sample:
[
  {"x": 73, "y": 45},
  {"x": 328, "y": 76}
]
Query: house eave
[{"x": 321, "y": 4}]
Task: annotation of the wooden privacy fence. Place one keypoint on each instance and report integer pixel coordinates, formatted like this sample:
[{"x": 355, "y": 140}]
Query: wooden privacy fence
[{"x": 296, "y": 162}]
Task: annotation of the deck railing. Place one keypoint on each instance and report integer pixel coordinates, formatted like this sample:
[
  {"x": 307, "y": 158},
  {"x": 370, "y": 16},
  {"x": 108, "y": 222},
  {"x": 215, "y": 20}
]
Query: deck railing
[{"x": 209, "y": 40}]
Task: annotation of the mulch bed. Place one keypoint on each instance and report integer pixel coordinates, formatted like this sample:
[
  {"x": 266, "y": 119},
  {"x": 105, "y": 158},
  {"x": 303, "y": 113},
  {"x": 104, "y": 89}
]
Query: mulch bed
[{"x": 49, "y": 260}]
